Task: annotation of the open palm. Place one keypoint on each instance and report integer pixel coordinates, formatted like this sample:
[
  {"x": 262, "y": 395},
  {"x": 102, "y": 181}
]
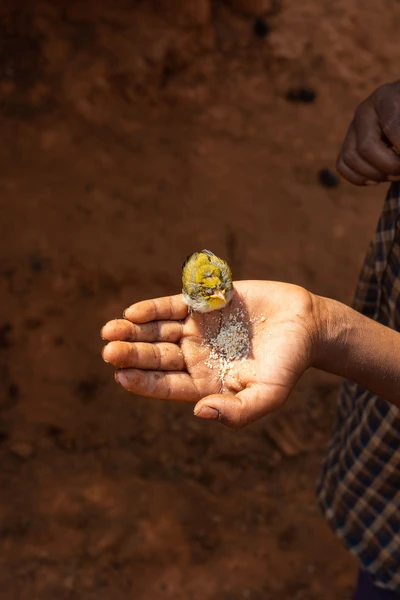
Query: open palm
[{"x": 161, "y": 352}]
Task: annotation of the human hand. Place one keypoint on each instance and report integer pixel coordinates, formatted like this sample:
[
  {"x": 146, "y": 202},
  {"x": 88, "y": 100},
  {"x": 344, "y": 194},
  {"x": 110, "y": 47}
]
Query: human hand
[
  {"x": 161, "y": 352},
  {"x": 369, "y": 154}
]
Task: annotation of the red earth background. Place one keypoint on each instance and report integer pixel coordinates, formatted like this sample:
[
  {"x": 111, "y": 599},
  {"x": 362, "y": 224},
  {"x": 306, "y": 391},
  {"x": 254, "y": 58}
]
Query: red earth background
[{"x": 134, "y": 133}]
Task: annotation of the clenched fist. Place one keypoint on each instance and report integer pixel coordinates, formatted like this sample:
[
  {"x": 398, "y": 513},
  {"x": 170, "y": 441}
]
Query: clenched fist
[{"x": 369, "y": 154}]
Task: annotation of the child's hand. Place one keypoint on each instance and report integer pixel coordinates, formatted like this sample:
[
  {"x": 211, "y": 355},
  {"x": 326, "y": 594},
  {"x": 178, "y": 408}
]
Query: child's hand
[
  {"x": 368, "y": 155},
  {"x": 160, "y": 353}
]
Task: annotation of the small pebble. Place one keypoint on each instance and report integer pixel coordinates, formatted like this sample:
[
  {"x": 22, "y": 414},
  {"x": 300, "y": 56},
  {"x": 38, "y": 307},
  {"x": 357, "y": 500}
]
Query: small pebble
[
  {"x": 301, "y": 94},
  {"x": 328, "y": 179},
  {"x": 260, "y": 28}
]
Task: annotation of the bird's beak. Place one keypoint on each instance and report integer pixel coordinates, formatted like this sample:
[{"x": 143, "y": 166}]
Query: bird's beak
[{"x": 219, "y": 294}]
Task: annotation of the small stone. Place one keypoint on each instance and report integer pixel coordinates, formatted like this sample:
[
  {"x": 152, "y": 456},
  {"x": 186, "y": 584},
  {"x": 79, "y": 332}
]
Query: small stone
[
  {"x": 328, "y": 179},
  {"x": 22, "y": 450},
  {"x": 301, "y": 94},
  {"x": 260, "y": 28}
]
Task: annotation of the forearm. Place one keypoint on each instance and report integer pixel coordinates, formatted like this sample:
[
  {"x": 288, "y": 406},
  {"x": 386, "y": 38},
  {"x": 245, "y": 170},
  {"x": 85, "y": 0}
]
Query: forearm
[{"x": 357, "y": 348}]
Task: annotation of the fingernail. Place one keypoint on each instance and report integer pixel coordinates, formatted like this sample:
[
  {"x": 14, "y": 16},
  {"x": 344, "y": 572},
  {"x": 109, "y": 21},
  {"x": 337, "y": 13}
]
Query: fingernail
[
  {"x": 369, "y": 182},
  {"x": 206, "y": 412}
]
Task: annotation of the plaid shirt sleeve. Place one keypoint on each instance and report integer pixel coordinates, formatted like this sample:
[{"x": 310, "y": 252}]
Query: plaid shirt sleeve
[{"x": 359, "y": 484}]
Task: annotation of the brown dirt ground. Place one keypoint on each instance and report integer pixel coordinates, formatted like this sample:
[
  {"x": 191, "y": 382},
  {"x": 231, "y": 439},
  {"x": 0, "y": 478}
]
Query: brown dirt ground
[{"x": 132, "y": 134}]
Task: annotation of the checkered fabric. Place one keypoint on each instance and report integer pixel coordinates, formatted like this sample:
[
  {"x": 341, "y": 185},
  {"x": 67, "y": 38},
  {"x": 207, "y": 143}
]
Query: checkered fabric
[{"x": 359, "y": 484}]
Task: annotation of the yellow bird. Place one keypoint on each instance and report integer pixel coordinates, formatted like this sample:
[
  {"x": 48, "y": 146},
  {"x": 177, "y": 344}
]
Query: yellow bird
[{"x": 206, "y": 282}]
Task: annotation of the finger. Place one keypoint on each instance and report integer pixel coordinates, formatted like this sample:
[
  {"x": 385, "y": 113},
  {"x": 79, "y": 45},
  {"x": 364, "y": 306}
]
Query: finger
[
  {"x": 252, "y": 403},
  {"x": 387, "y": 107},
  {"x": 158, "y": 384},
  {"x": 354, "y": 161},
  {"x": 159, "y": 357},
  {"x": 158, "y": 309},
  {"x": 348, "y": 173},
  {"x": 156, "y": 331},
  {"x": 369, "y": 141}
]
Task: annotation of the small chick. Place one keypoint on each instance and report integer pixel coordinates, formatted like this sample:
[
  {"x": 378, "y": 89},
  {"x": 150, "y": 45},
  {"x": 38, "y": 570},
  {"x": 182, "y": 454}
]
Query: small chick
[{"x": 206, "y": 282}]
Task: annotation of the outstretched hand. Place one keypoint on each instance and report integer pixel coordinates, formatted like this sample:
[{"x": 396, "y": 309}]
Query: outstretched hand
[{"x": 162, "y": 352}]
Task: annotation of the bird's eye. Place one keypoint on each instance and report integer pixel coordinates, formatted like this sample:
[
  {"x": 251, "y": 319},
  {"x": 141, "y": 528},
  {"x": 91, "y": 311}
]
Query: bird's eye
[{"x": 208, "y": 291}]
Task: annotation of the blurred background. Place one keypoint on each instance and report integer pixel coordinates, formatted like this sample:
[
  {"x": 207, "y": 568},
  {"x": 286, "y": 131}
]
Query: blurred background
[{"x": 132, "y": 134}]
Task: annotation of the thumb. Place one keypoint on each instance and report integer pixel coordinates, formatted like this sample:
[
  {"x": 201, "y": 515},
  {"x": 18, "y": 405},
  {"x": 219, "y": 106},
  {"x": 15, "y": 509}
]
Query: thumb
[{"x": 237, "y": 411}]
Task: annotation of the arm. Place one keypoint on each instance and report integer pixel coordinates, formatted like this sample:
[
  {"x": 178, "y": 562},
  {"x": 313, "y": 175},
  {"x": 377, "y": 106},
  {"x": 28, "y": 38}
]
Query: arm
[
  {"x": 161, "y": 352},
  {"x": 357, "y": 348}
]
